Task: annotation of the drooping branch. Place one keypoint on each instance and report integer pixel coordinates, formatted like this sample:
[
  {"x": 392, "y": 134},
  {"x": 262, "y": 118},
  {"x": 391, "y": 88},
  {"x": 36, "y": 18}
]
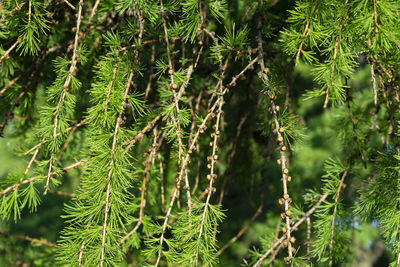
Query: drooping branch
[
  {"x": 67, "y": 82},
  {"x": 334, "y": 213},
  {"x": 278, "y": 242},
  {"x": 284, "y": 161},
  {"x": 110, "y": 172},
  {"x": 306, "y": 29},
  {"x": 157, "y": 141}
]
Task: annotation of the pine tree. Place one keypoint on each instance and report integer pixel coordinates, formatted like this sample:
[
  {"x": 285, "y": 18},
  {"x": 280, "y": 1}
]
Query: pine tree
[{"x": 199, "y": 133}]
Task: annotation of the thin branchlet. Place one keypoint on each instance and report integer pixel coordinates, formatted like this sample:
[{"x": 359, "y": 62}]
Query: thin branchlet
[{"x": 67, "y": 82}]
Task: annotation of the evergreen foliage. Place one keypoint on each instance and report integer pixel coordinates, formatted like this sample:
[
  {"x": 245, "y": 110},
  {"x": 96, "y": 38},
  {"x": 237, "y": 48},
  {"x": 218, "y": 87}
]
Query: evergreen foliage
[{"x": 199, "y": 133}]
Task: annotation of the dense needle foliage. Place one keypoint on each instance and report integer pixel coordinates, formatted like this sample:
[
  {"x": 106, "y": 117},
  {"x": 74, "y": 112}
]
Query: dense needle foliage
[{"x": 199, "y": 133}]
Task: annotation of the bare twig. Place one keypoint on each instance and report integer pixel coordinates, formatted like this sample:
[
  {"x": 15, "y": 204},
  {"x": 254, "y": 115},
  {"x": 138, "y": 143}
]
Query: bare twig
[
  {"x": 241, "y": 232},
  {"x": 93, "y": 12},
  {"x": 17, "y": 185},
  {"x": 60, "y": 193},
  {"x": 69, "y": 4},
  {"x": 141, "y": 133},
  {"x": 148, "y": 163},
  {"x": 374, "y": 83},
  {"x": 308, "y": 240},
  {"x": 30, "y": 239},
  {"x": 8, "y": 51}
]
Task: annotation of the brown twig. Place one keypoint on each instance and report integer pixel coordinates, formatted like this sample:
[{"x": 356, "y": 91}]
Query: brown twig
[
  {"x": 31, "y": 161},
  {"x": 151, "y": 71},
  {"x": 213, "y": 160},
  {"x": 13, "y": 81},
  {"x": 81, "y": 249},
  {"x": 176, "y": 119},
  {"x": 376, "y": 26},
  {"x": 69, "y": 4},
  {"x": 241, "y": 232},
  {"x": 148, "y": 163},
  {"x": 8, "y": 51},
  {"x": 60, "y": 193},
  {"x": 45, "y": 141},
  {"x": 141, "y": 133},
  {"x": 30, "y": 239},
  {"x": 93, "y": 12},
  {"x": 17, "y": 185},
  {"x": 162, "y": 183},
  {"x": 308, "y": 240},
  {"x": 69, "y": 138},
  {"x": 373, "y": 80}
]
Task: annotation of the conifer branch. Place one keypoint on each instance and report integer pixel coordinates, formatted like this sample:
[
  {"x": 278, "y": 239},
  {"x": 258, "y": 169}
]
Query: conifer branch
[
  {"x": 278, "y": 242},
  {"x": 110, "y": 170},
  {"x": 334, "y": 213},
  {"x": 31, "y": 80},
  {"x": 194, "y": 111},
  {"x": 335, "y": 52},
  {"x": 109, "y": 88},
  {"x": 175, "y": 119},
  {"x": 13, "y": 81},
  {"x": 65, "y": 91},
  {"x": 284, "y": 161},
  {"x": 185, "y": 161},
  {"x": 72, "y": 128},
  {"x": 211, "y": 177},
  {"x": 164, "y": 69},
  {"x": 306, "y": 28},
  {"x": 69, "y": 138},
  {"x": 161, "y": 183},
  {"x": 10, "y": 113}
]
